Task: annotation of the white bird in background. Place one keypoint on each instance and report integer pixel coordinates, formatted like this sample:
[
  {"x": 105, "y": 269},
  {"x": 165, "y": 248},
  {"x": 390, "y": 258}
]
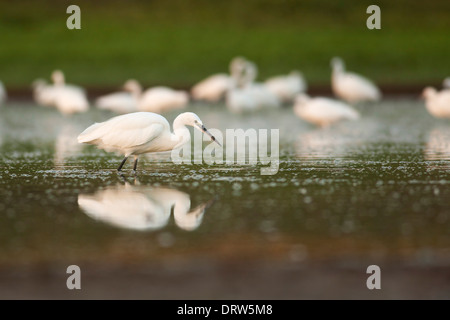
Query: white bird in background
[
  {"x": 142, "y": 208},
  {"x": 263, "y": 97},
  {"x": 43, "y": 93},
  {"x": 122, "y": 102},
  {"x": 323, "y": 111},
  {"x": 238, "y": 98},
  {"x": 215, "y": 87},
  {"x": 248, "y": 95},
  {"x": 437, "y": 102},
  {"x": 446, "y": 83},
  {"x": 286, "y": 87},
  {"x": 68, "y": 99},
  {"x": 351, "y": 87},
  {"x": 141, "y": 132},
  {"x": 3, "y": 94},
  {"x": 160, "y": 99},
  {"x": 59, "y": 81}
]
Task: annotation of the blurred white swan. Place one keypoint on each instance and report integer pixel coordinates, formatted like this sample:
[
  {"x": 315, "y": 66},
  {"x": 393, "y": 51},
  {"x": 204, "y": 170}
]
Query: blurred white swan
[
  {"x": 286, "y": 87},
  {"x": 323, "y": 111},
  {"x": 142, "y": 208},
  {"x": 160, "y": 99},
  {"x": 3, "y": 94},
  {"x": 122, "y": 102},
  {"x": 352, "y": 87},
  {"x": 437, "y": 102},
  {"x": 68, "y": 99}
]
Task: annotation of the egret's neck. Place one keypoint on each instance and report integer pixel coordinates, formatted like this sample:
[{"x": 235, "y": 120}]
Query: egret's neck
[{"x": 181, "y": 134}]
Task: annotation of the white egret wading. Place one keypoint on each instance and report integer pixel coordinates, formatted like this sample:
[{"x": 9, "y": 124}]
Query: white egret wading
[
  {"x": 136, "y": 133},
  {"x": 67, "y": 98},
  {"x": 350, "y": 86},
  {"x": 286, "y": 87},
  {"x": 122, "y": 102},
  {"x": 323, "y": 111},
  {"x": 446, "y": 83},
  {"x": 437, "y": 102}
]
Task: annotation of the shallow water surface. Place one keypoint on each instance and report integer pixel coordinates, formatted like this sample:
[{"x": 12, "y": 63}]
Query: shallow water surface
[{"x": 373, "y": 191}]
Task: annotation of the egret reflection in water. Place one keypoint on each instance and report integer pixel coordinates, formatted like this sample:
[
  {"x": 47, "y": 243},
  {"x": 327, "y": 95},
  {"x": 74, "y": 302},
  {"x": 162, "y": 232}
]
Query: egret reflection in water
[
  {"x": 437, "y": 147},
  {"x": 142, "y": 208}
]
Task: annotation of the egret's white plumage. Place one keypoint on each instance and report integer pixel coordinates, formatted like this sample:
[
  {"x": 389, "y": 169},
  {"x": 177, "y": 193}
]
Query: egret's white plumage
[
  {"x": 68, "y": 99},
  {"x": 161, "y": 99},
  {"x": 323, "y": 111},
  {"x": 122, "y": 102},
  {"x": 142, "y": 208},
  {"x": 141, "y": 132},
  {"x": 263, "y": 97},
  {"x": 43, "y": 93},
  {"x": 446, "y": 83},
  {"x": 437, "y": 102},
  {"x": 286, "y": 87},
  {"x": 248, "y": 95},
  {"x": 213, "y": 88},
  {"x": 350, "y": 86},
  {"x": 59, "y": 80},
  {"x": 3, "y": 94}
]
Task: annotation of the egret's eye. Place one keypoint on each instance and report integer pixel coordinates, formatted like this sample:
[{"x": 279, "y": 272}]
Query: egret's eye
[{"x": 195, "y": 121}]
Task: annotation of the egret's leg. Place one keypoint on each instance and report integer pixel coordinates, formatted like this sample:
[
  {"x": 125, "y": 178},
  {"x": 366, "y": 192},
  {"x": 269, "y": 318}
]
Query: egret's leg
[
  {"x": 121, "y": 165},
  {"x": 135, "y": 163}
]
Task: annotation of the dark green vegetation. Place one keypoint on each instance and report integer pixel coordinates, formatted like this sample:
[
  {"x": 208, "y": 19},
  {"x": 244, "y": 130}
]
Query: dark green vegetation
[{"x": 180, "y": 42}]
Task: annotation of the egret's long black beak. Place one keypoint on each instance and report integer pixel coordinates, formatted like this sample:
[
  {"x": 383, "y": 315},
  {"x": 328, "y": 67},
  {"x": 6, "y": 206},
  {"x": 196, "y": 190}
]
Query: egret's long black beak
[{"x": 203, "y": 129}]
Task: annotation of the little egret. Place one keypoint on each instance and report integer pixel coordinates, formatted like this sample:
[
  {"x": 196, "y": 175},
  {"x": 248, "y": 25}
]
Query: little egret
[
  {"x": 352, "y": 87},
  {"x": 437, "y": 102},
  {"x": 323, "y": 111},
  {"x": 446, "y": 83},
  {"x": 215, "y": 87},
  {"x": 161, "y": 99},
  {"x": 286, "y": 87},
  {"x": 141, "y": 132},
  {"x": 122, "y": 102}
]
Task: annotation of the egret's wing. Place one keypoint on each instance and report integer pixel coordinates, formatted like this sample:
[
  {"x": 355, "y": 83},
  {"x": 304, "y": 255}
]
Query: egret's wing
[{"x": 123, "y": 131}]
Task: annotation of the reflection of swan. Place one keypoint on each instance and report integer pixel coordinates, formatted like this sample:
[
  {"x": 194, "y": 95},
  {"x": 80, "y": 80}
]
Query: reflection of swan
[
  {"x": 142, "y": 208},
  {"x": 323, "y": 111},
  {"x": 122, "y": 102},
  {"x": 437, "y": 102},
  {"x": 438, "y": 144},
  {"x": 2, "y": 93},
  {"x": 352, "y": 87},
  {"x": 286, "y": 87}
]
